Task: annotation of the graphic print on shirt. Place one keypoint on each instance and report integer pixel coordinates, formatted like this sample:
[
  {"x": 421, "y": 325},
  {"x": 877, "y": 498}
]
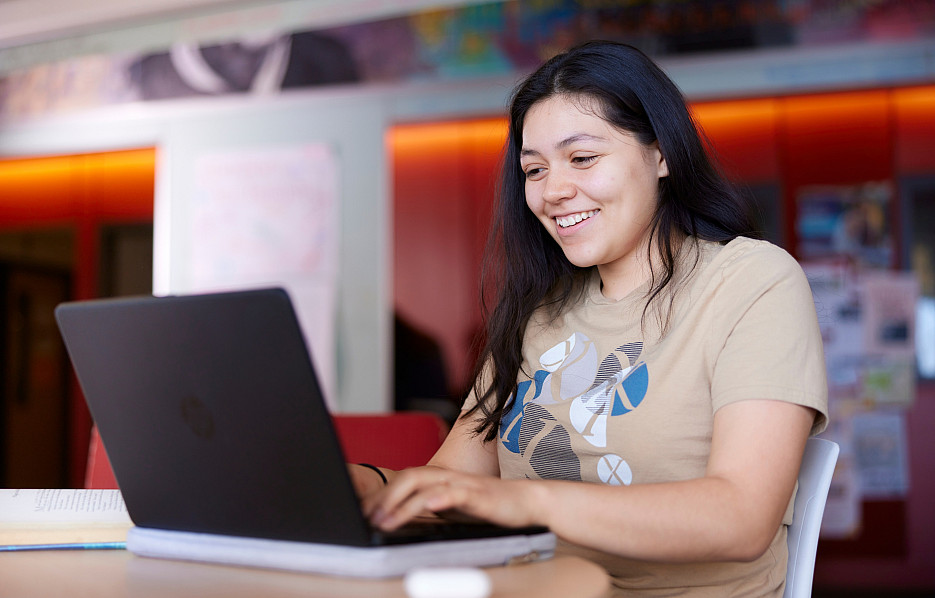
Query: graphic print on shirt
[{"x": 595, "y": 390}]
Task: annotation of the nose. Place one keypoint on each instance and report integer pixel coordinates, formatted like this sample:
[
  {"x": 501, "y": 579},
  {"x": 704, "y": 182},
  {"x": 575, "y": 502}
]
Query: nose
[{"x": 558, "y": 187}]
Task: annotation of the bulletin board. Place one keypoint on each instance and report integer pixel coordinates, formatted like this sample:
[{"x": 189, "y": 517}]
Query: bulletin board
[{"x": 848, "y": 246}]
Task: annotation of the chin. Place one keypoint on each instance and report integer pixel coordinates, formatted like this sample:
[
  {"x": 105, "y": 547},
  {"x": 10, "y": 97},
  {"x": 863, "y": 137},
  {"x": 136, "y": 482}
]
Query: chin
[{"x": 580, "y": 261}]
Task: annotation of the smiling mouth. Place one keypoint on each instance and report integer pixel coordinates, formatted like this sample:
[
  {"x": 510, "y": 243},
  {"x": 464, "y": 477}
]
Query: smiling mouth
[{"x": 572, "y": 219}]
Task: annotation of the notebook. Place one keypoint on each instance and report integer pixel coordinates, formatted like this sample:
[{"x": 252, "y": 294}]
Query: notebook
[{"x": 223, "y": 446}]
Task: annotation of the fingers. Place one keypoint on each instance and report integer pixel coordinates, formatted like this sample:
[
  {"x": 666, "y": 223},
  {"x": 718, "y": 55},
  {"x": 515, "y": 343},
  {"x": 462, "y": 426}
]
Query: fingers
[
  {"x": 426, "y": 490},
  {"x": 413, "y": 493}
]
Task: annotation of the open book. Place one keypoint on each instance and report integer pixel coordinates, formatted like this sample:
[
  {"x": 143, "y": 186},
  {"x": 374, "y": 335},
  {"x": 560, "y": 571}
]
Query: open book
[{"x": 62, "y": 518}]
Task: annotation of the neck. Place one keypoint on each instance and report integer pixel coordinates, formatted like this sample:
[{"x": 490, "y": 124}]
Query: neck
[{"x": 619, "y": 280}]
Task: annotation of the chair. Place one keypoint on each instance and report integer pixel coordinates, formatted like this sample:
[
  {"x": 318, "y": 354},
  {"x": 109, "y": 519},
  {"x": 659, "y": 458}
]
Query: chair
[
  {"x": 815, "y": 473},
  {"x": 394, "y": 440}
]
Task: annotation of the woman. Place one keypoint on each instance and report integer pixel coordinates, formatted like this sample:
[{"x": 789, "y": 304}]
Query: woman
[{"x": 640, "y": 343}]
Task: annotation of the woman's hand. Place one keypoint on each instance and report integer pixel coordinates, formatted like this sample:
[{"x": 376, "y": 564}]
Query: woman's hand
[{"x": 414, "y": 492}]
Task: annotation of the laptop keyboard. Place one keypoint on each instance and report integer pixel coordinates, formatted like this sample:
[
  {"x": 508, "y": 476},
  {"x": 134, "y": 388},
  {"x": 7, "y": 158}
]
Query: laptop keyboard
[{"x": 440, "y": 529}]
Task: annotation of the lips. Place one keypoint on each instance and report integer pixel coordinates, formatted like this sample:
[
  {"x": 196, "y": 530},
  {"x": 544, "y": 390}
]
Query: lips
[{"x": 573, "y": 219}]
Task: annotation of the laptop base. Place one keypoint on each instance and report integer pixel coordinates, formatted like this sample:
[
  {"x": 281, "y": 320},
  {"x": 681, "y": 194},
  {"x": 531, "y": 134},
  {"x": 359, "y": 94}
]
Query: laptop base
[{"x": 338, "y": 560}]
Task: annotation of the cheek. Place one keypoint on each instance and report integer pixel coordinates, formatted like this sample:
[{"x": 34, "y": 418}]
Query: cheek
[
  {"x": 633, "y": 189},
  {"x": 608, "y": 182},
  {"x": 533, "y": 200}
]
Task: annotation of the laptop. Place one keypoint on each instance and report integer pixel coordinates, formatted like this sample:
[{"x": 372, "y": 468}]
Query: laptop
[{"x": 224, "y": 449}]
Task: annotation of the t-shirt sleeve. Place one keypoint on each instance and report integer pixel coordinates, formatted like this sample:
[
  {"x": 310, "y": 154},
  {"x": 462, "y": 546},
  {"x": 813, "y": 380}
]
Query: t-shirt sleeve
[
  {"x": 471, "y": 399},
  {"x": 770, "y": 339}
]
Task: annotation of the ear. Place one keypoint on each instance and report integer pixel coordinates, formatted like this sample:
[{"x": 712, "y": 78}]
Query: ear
[{"x": 662, "y": 169}]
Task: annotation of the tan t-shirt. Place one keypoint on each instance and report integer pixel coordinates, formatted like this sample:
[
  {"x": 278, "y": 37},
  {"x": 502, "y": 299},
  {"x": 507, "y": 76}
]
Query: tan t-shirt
[{"x": 602, "y": 399}]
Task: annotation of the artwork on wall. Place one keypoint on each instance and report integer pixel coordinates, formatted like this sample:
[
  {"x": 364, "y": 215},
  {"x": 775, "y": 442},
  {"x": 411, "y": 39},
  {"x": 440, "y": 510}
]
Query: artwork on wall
[
  {"x": 849, "y": 221},
  {"x": 475, "y": 40},
  {"x": 268, "y": 216},
  {"x": 259, "y": 65}
]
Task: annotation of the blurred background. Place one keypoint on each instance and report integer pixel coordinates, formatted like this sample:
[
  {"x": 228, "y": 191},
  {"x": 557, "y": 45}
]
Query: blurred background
[{"x": 347, "y": 150}]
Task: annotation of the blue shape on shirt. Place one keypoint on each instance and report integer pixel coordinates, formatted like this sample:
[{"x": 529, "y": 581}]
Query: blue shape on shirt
[
  {"x": 618, "y": 408},
  {"x": 635, "y": 386},
  {"x": 512, "y": 419},
  {"x": 539, "y": 377}
]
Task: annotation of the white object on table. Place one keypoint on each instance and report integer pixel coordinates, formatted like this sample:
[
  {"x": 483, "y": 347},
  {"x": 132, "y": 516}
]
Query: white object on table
[{"x": 447, "y": 582}]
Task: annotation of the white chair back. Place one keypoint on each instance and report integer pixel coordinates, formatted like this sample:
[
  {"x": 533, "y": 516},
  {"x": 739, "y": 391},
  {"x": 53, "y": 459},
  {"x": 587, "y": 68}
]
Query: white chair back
[{"x": 814, "y": 481}]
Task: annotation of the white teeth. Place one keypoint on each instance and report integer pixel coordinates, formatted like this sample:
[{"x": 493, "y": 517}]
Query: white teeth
[{"x": 566, "y": 221}]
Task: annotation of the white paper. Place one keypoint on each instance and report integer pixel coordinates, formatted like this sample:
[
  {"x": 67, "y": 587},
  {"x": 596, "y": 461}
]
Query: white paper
[
  {"x": 56, "y": 505},
  {"x": 889, "y": 310},
  {"x": 268, "y": 216},
  {"x": 881, "y": 454},
  {"x": 837, "y": 303}
]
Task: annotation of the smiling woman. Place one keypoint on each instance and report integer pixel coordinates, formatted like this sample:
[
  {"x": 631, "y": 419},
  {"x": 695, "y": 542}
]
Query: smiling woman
[
  {"x": 593, "y": 187},
  {"x": 642, "y": 340}
]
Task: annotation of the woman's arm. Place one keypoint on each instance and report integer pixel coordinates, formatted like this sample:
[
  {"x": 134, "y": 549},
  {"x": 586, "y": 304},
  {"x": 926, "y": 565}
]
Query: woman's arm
[
  {"x": 732, "y": 513},
  {"x": 464, "y": 451}
]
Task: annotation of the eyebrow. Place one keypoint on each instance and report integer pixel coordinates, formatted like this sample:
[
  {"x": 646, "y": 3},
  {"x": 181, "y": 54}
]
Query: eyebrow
[{"x": 564, "y": 143}]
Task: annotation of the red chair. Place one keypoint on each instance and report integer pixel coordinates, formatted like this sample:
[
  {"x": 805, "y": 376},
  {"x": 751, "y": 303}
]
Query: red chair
[{"x": 394, "y": 440}]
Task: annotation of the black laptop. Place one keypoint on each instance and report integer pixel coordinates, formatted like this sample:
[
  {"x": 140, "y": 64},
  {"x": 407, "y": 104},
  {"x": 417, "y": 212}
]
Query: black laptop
[{"x": 223, "y": 446}]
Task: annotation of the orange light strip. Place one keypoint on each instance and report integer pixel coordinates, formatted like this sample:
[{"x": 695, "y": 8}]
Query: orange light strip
[{"x": 63, "y": 187}]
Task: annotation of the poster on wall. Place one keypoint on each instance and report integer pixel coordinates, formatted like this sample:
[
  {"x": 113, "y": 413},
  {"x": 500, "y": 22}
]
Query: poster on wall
[
  {"x": 267, "y": 216},
  {"x": 889, "y": 312},
  {"x": 881, "y": 454},
  {"x": 849, "y": 221}
]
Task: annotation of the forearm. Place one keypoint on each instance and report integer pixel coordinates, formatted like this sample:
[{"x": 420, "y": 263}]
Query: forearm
[
  {"x": 707, "y": 519},
  {"x": 367, "y": 481}
]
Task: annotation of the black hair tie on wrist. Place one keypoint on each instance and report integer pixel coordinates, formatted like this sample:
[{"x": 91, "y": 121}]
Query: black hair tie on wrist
[{"x": 376, "y": 469}]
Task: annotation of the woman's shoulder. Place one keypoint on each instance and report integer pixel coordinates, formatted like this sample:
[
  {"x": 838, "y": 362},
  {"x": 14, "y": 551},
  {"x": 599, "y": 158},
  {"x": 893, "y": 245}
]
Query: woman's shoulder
[
  {"x": 751, "y": 257},
  {"x": 746, "y": 267}
]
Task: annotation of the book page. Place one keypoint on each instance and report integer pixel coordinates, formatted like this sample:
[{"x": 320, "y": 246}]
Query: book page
[
  {"x": 83, "y": 518},
  {"x": 57, "y": 505}
]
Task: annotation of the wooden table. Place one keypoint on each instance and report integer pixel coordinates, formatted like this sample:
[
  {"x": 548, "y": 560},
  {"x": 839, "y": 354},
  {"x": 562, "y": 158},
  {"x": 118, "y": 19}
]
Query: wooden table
[{"x": 119, "y": 574}]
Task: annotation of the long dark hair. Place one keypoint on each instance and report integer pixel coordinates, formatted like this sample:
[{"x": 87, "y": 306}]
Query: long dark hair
[{"x": 526, "y": 269}]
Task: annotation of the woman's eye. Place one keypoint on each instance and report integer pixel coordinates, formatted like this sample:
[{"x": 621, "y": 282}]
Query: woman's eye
[
  {"x": 583, "y": 160},
  {"x": 532, "y": 173}
]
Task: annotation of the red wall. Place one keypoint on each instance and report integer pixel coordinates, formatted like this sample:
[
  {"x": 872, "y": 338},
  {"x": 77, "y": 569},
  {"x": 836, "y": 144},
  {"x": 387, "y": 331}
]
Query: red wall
[
  {"x": 83, "y": 192},
  {"x": 444, "y": 176}
]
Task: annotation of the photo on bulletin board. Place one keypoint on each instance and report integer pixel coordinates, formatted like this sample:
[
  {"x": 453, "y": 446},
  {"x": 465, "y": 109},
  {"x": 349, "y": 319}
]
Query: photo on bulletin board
[
  {"x": 846, "y": 220},
  {"x": 918, "y": 255}
]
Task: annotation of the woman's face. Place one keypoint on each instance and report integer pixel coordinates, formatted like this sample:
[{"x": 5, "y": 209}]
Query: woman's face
[{"x": 592, "y": 186}]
